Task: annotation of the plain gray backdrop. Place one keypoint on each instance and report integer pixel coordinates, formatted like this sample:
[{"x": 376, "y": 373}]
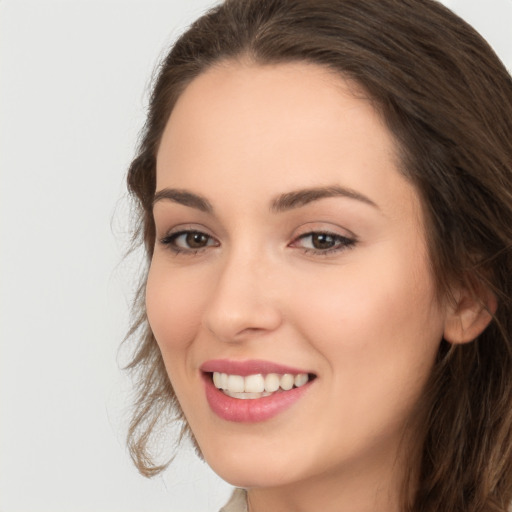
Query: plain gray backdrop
[{"x": 74, "y": 76}]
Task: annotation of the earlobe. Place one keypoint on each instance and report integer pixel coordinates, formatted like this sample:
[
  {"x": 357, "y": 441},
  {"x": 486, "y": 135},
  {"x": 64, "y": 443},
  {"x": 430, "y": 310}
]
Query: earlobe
[{"x": 469, "y": 315}]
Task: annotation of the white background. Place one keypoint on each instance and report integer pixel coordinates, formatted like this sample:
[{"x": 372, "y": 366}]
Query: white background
[{"x": 73, "y": 88}]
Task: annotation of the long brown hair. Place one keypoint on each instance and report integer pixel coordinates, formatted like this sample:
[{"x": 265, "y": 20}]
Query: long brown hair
[{"x": 447, "y": 99}]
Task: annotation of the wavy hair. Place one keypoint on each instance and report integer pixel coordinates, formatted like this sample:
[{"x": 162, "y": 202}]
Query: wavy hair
[{"x": 447, "y": 99}]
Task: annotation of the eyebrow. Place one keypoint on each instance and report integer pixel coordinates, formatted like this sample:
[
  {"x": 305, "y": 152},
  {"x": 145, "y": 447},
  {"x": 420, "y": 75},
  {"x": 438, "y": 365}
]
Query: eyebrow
[
  {"x": 282, "y": 203},
  {"x": 299, "y": 198},
  {"x": 185, "y": 198}
]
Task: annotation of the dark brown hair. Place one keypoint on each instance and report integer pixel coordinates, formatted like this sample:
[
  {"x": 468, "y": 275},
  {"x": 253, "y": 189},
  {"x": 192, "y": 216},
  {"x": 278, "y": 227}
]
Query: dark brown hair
[{"x": 447, "y": 99}]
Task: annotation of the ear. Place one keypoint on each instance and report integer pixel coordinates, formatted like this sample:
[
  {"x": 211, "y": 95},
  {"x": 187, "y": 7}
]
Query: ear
[{"x": 469, "y": 313}]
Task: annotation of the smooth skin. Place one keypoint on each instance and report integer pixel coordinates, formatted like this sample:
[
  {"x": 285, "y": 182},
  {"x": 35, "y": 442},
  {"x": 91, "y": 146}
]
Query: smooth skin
[{"x": 336, "y": 281}]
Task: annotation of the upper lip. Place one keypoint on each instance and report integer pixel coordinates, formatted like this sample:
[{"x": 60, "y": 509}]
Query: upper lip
[{"x": 248, "y": 367}]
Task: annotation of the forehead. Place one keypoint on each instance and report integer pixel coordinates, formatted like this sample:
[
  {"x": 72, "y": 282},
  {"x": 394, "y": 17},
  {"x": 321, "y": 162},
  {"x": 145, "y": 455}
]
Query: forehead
[
  {"x": 275, "y": 128},
  {"x": 271, "y": 103}
]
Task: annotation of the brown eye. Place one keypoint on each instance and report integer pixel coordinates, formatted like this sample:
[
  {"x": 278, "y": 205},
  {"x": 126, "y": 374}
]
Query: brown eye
[
  {"x": 189, "y": 241},
  {"x": 196, "y": 240},
  {"x": 322, "y": 241},
  {"x": 319, "y": 242}
]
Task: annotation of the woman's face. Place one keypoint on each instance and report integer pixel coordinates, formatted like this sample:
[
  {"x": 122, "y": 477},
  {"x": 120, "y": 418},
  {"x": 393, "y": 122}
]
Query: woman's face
[{"x": 288, "y": 242}]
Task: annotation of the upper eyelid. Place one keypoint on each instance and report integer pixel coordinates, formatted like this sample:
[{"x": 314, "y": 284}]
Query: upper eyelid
[
  {"x": 341, "y": 244},
  {"x": 338, "y": 236},
  {"x": 169, "y": 241},
  {"x": 180, "y": 232},
  {"x": 323, "y": 227},
  {"x": 325, "y": 232},
  {"x": 185, "y": 228},
  {"x": 169, "y": 236}
]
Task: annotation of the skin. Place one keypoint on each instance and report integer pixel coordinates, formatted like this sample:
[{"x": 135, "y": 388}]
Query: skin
[{"x": 364, "y": 319}]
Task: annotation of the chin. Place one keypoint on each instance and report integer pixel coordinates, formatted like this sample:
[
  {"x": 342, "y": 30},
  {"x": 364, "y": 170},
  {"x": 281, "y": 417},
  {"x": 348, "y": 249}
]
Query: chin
[
  {"x": 253, "y": 464},
  {"x": 248, "y": 475}
]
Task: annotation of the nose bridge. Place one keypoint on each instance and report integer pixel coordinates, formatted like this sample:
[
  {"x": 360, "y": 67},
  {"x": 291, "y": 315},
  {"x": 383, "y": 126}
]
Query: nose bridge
[{"x": 242, "y": 302}]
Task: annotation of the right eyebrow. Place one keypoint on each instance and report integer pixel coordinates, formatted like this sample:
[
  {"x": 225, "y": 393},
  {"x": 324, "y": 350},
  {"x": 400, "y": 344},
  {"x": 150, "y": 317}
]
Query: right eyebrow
[{"x": 185, "y": 198}]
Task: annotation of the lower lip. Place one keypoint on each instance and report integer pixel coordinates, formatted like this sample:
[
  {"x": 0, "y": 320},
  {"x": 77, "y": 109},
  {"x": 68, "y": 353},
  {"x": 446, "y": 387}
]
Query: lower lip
[{"x": 250, "y": 410}]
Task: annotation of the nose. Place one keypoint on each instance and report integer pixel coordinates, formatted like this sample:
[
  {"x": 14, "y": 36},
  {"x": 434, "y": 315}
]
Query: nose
[{"x": 243, "y": 303}]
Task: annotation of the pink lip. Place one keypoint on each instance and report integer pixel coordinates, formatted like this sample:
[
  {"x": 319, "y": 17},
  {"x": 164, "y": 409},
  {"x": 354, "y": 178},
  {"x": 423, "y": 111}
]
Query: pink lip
[
  {"x": 249, "y": 367},
  {"x": 249, "y": 410}
]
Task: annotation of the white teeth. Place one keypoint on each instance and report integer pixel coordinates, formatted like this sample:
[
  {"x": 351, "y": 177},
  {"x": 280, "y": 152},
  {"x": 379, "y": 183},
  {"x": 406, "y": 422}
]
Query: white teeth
[
  {"x": 272, "y": 382},
  {"x": 287, "y": 381},
  {"x": 301, "y": 379},
  {"x": 257, "y": 385},
  {"x": 236, "y": 384},
  {"x": 217, "y": 380},
  {"x": 254, "y": 384}
]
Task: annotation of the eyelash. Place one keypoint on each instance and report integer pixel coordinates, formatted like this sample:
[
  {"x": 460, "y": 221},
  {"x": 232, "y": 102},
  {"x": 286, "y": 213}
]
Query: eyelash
[
  {"x": 170, "y": 241},
  {"x": 341, "y": 242}
]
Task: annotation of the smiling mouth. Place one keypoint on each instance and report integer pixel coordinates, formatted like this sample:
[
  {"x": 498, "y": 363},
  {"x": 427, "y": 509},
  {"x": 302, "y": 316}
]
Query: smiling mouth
[{"x": 259, "y": 385}]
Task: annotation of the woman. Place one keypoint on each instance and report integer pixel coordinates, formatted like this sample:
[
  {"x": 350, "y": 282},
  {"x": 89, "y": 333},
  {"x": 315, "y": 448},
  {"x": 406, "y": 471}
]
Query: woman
[{"x": 325, "y": 200}]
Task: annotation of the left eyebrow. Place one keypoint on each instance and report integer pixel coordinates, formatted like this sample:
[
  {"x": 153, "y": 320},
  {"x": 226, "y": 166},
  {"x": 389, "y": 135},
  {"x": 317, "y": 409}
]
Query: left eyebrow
[{"x": 298, "y": 198}]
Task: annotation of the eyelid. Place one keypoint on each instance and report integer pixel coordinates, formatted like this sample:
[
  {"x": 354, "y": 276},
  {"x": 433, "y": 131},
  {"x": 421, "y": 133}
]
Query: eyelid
[
  {"x": 180, "y": 228},
  {"x": 169, "y": 238},
  {"x": 344, "y": 239},
  {"x": 323, "y": 227},
  {"x": 335, "y": 236}
]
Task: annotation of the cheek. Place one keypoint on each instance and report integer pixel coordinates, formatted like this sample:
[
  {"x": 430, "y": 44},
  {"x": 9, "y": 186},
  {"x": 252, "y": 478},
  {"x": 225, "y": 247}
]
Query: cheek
[
  {"x": 373, "y": 314},
  {"x": 173, "y": 306},
  {"x": 377, "y": 325}
]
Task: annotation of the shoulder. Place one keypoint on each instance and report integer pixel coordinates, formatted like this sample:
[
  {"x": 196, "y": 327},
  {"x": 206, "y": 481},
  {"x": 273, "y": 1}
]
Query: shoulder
[{"x": 237, "y": 502}]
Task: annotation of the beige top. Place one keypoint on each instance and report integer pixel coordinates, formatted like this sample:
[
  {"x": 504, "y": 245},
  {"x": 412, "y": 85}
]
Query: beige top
[{"x": 237, "y": 502}]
